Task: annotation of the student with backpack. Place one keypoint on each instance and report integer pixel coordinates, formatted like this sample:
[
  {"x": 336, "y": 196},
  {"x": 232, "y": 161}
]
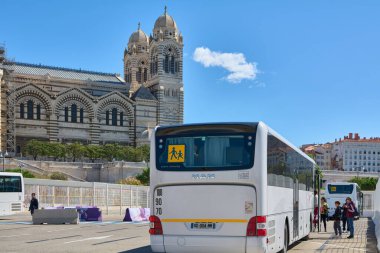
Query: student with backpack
[
  {"x": 351, "y": 213},
  {"x": 337, "y": 217},
  {"x": 324, "y": 212}
]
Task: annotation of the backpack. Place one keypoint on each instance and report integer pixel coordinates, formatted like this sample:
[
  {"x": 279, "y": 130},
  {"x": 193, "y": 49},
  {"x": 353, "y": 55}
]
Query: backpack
[{"x": 356, "y": 213}]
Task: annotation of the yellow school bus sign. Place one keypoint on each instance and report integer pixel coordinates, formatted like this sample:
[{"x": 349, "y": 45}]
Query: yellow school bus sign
[{"x": 176, "y": 153}]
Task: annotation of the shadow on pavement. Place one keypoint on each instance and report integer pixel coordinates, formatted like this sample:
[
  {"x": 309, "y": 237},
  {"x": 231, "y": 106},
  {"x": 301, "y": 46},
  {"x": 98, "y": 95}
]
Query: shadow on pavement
[
  {"x": 371, "y": 244},
  {"x": 145, "y": 249}
]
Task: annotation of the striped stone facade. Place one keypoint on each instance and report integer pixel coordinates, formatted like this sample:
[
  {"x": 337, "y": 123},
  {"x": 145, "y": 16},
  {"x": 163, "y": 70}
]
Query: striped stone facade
[{"x": 69, "y": 105}]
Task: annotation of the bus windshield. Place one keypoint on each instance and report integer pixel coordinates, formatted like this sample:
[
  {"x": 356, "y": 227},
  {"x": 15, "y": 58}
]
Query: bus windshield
[
  {"x": 341, "y": 189},
  {"x": 10, "y": 184},
  {"x": 205, "y": 152}
]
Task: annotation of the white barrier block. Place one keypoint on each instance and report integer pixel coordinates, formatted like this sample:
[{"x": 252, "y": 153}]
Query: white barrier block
[{"x": 55, "y": 216}]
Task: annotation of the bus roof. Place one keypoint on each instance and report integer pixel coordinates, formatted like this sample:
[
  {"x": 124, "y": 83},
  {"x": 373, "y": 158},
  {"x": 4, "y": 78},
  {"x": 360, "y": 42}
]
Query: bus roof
[
  {"x": 280, "y": 137},
  {"x": 10, "y": 174},
  {"x": 342, "y": 183}
]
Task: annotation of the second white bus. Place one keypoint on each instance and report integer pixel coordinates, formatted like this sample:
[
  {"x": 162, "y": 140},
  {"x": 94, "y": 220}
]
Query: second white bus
[
  {"x": 228, "y": 188},
  {"x": 339, "y": 191}
]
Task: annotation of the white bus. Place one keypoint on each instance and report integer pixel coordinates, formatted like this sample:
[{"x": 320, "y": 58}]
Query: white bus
[
  {"x": 339, "y": 191},
  {"x": 11, "y": 193},
  {"x": 228, "y": 187}
]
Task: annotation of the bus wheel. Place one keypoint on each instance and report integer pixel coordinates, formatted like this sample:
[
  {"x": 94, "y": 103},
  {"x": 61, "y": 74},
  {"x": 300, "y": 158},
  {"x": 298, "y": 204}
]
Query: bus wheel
[{"x": 286, "y": 236}]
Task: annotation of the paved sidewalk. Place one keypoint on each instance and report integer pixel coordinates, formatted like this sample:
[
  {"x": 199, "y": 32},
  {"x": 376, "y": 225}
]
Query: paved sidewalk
[{"x": 364, "y": 241}]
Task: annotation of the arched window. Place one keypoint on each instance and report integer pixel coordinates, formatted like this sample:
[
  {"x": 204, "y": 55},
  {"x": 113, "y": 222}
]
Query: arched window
[
  {"x": 107, "y": 117},
  {"x": 22, "y": 111},
  {"x": 114, "y": 117},
  {"x": 81, "y": 113},
  {"x": 166, "y": 64},
  {"x": 138, "y": 76},
  {"x": 145, "y": 74},
  {"x": 66, "y": 114},
  {"x": 121, "y": 118},
  {"x": 38, "y": 112},
  {"x": 74, "y": 113},
  {"x": 172, "y": 65},
  {"x": 156, "y": 64},
  {"x": 30, "y": 106}
]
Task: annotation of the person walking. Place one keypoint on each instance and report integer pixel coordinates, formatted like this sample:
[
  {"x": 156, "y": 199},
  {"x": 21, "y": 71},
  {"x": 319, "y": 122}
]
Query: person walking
[
  {"x": 351, "y": 212},
  {"x": 337, "y": 217},
  {"x": 324, "y": 212},
  {"x": 33, "y": 204},
  {"x": 344, "y": 218}
]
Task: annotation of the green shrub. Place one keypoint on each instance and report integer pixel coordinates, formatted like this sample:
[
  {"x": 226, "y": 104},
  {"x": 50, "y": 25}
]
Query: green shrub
[
  {"x": 58, "y": 176},
  {"x": 25, "y": 173},
  {"x": 144, "y": 177}
]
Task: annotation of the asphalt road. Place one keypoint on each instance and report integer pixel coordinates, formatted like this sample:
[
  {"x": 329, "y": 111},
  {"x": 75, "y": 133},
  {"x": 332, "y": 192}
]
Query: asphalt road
[{"x": 17, "y": 234}]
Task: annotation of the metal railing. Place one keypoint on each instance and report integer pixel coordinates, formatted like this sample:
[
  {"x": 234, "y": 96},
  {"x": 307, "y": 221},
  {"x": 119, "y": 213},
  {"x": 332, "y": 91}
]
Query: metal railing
[{"x": 111, "y": 198}]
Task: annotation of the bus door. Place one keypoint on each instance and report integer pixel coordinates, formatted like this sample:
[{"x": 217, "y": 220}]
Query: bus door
[{"x": 295, "y": 208}]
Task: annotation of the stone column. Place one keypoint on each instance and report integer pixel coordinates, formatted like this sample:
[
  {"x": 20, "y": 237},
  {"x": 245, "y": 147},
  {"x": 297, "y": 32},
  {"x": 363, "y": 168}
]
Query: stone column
[
  {"x": 52, "y": 129},
  {"x": 95, "y": 131}
]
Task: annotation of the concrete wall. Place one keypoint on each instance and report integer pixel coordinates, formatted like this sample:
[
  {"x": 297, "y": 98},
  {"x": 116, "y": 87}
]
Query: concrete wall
[{"x": 92, "y": 172}]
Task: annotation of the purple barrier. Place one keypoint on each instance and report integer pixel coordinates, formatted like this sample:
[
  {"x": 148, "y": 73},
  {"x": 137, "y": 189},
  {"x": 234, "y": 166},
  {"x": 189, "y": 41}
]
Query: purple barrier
[
  {"x": 137, "y": 214},
  {"x": 89, "y": 214}
]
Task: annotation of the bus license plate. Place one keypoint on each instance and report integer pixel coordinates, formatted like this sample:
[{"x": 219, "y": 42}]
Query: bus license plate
[{"x": 203, "y": 225}]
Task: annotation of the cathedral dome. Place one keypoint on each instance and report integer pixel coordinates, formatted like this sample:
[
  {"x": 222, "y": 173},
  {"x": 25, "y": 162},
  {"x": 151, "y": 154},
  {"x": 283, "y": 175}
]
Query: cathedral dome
[
  {"x": 138, "y": 37},
  {"x": 165, "y": 21}
]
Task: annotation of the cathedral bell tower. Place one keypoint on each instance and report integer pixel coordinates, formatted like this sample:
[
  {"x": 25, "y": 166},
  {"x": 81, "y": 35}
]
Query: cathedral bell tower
[
  {"x": 165, "y": 65},
  {"x": 136, "y": 57}
]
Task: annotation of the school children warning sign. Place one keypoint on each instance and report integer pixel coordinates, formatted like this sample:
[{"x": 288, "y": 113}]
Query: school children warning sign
[{"x": 176, "y": 153}]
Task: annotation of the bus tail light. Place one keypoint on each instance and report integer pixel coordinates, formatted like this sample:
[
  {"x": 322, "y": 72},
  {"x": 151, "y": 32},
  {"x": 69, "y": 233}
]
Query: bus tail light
[
  {"x": 155, "y": 225},
  {"x": 257, "y": 226}
]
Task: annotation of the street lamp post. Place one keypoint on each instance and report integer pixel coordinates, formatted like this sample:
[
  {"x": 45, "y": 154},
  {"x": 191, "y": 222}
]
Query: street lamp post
[{"x": 3, "y": 157}]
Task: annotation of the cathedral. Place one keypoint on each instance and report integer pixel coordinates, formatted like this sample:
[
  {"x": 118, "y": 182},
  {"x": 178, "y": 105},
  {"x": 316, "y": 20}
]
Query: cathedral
[{"x": 73, "y": 105}]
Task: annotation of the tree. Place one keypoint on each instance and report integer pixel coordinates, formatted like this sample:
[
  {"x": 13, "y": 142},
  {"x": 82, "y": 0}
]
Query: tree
[
  {"x": 75, "y": 150},
  {"x": 57, "y": 150},
  {"x": 111, "y": 151},
  {"x": 365, "y": 183},
  {"x": 144, "y": 177},
  {"x": 36, "y": 148},
  {"x": 145, "y": 150},
  {"x": 93, "y": 152}
]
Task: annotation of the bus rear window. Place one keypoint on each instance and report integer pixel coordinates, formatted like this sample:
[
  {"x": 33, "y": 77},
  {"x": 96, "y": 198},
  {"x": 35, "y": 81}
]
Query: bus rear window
[
  {"x": 205, "y": 152},
  {"x": 340, "y": 189},
  {"x": 10, "y": 184}
]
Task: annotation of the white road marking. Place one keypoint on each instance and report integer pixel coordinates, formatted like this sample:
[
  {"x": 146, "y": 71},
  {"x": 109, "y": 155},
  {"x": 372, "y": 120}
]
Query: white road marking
[
  {"x": 89, "y": 239},
  {"x": 8, "y": 236},
  {"x": 338, "y": 246},
  {"x": 60, "y": 230}
]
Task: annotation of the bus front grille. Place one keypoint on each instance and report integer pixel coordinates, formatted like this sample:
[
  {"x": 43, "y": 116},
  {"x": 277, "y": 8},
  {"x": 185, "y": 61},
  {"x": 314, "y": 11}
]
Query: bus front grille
[{"x": 16, "y": 207}]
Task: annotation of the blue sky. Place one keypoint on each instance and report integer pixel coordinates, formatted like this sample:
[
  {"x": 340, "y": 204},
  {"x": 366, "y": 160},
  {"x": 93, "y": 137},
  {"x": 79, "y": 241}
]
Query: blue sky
[{"x": 318, "y": 62}]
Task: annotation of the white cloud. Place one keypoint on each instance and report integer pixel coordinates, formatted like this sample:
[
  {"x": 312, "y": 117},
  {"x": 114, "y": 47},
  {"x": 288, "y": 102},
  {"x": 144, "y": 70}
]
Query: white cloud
[{"x": 235, "y": 63}]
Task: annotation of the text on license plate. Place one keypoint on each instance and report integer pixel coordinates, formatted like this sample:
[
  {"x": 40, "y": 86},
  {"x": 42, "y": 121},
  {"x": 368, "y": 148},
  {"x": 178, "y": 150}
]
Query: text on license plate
[{"x": 203, "y": 225}]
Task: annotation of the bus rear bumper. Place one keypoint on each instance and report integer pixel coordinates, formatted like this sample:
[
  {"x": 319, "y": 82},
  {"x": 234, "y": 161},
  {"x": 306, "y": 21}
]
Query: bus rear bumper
[
  {"x": 208, "y": 244},
  {"x": 157, "y": 243}
]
